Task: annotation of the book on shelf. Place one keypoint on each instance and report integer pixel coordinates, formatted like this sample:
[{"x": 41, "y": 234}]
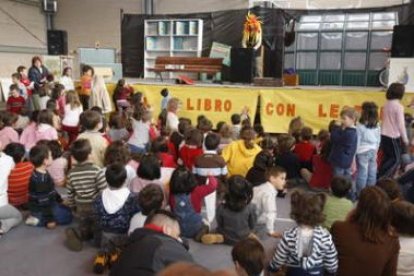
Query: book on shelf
[
  {"x": 178, "y": 43},
  {"x": 163, "y": 28},
  {"x": 193, "y": 30},
  {"x": 181, "y": 28},
  {"x": 151, "y": 43}
]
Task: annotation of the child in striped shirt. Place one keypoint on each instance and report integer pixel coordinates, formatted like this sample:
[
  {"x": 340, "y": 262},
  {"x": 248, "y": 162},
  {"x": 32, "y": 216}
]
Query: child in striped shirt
[{"x": 307, "y": 248}]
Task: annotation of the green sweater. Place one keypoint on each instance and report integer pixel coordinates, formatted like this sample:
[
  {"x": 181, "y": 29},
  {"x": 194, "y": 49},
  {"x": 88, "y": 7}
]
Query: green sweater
[{"x": 336, "y": 209}]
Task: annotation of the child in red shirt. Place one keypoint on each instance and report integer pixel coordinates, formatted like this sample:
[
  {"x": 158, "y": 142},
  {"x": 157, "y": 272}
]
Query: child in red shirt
[
  {"x": 159, "y": 148},
  {"x": 15, "y": 102},
  {"x": 192, "y": 148},
  {"x": 305, "y": 149}
]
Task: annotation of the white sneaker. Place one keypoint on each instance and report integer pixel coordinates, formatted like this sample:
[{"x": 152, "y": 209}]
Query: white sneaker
[{"x": 32, "y": 221}]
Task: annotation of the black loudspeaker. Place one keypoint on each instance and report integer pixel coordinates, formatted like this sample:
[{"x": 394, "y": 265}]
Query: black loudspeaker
[
  {"x": 242, "y": 65},
  {"x": 57, "y": 42},
  {"x": 403, "y": 41}
]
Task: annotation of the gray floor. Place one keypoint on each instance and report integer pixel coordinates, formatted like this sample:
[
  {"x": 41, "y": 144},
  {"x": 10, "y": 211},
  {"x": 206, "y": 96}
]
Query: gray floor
[{"x": 37, "y": 251}]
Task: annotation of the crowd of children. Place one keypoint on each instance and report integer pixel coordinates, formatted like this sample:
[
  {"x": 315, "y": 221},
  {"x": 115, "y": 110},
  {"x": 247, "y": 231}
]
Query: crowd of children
[{"x": 137, "y": 187}]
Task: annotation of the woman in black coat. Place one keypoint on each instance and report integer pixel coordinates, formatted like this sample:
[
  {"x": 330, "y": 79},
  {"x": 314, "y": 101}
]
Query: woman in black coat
[{"x": 38, "y": 74}]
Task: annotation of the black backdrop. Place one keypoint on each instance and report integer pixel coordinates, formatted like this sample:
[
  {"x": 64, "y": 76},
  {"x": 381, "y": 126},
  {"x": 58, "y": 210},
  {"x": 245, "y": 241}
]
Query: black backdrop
[{"x": 226, "y": 27}]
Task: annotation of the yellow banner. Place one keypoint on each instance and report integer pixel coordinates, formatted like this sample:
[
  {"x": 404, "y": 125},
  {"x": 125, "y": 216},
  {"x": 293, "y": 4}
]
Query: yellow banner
[
  {"x": 216, "y": 103},
  {"x": 316, "y": 107}
]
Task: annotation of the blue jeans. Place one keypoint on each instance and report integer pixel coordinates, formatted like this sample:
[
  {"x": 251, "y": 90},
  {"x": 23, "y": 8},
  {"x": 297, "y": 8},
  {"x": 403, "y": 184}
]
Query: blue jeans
[
  {"x": 62, "y": 215},
  {"x": 135, "y": 149},
  {"x": 366, "y": 170},
  {"x": 347, "y": 173},
  {"x": 297, "y": 271}
]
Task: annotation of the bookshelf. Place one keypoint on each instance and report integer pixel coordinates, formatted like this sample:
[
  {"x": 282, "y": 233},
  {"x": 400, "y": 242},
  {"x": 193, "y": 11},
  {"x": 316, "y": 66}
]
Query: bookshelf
[{"x": 171, "y": 37}]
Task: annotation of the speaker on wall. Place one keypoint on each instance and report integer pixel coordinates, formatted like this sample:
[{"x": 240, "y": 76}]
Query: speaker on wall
[
  {"x": 57, "y": 42},
  {"x": 403, "y": 41},
  {"x": 242, "y": 65}
]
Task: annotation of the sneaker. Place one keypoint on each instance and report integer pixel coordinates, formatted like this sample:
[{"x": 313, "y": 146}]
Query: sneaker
[
  {"x": 212, "y": 238},
  {"x": 114, "y": 256},
  {"x": 33, "y": 221},
  {"x": 51, "y": 225},
  {"x": 204, "y": 230},
  {"x": 73, "y": 242},
  {"x": 100, "y": 263}
]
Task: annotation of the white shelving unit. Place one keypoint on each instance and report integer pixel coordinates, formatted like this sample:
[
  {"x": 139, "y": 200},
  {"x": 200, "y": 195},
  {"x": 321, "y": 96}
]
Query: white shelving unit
[{"x": 171, "y": 37}]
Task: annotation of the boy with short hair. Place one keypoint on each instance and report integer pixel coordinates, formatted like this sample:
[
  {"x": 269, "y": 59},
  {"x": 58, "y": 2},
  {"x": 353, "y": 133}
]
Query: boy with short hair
[
  {"x": 84, "y": 182},
  {"x": 165, "y": 98},
  {"x": 22, "y": 88},
  {"x": 248, "y": 257},
  {"x": 114, "y": 209},
  {"x": 91, "y": 121},
  {"x": 150, "y": 199},
  {"x": 15, "y": 102},
  {"x": 264, "y": 198},
  {"x": 44, "y": 202},
  {"x": 337, "y": 206},
  {"x": 236, "y": 126}
]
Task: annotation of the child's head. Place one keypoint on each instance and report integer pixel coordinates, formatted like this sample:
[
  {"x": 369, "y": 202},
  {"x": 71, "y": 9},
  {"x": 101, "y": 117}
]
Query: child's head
[
  {"x": 15, "y": 78},
  {"x": 391, "y": 188},
  {"x": 194, "y": 137},
  {"x": 277, "y": 177},
  {"x": 249, "y": 257},
  {"x": 296, "y": 124},
  {"x": 307, "y": 208},
  {"x": 248, "y": 135},
  {"x": 172, "y": 105},
  {"x": 235, "y": 119},
  {"x": 115, "y": 175},
  {"x": 117, "y": 152},
  {"x": 395, "y": 91},
  {"x": 45, "y": 117},
  {"x": 212, "y": 141},
  {"x": 205, "y": 125},
  {"x": 57, "y": 91},
  {"x": 87, "y": 70},
  {"x": 150, "y": 199},
  {"x": 91, "y": 120},
  {"x": 286, "y": 143},
  {"x": 51, "y": 105},
  {"x": 225, "y": 131},
  {"x": 22, "y": 70},
  {"x": 8, "y": 119},
  {"x": 72, "y": 99},
  {"x": 80, "y": 150},
  {"x": 164, "y": 92},
  {"x": 306, "y": 133},
  {"x": 369, "y": 114},
  {"x": 40, "y": 156},
  {"x": 149, "y": 167},
  {"x": 340, "y": 186},
  {"x": 182, "y": 181},
  {"x": 402, "y": 217},
  {"x": 239, "y": 194},
  {"x": 16, "y": 151},
  {"x": 14, "y": 90},
  {"x": 67, "y": 71},
  {"x": 116, "y": 121},
  {"x": 323, "y": 135},
  {"x": 183, "y": 126},
  {"x": 268, "y": 145},
  {"x": 167, "y": 221},
  {"x": 258, "y": 128},
  {"x": 159, "y": 145},
  {"x": 55, "y": 148},
  {"x": 348, "y": 117},
  {"x": 120, "y": 83}
]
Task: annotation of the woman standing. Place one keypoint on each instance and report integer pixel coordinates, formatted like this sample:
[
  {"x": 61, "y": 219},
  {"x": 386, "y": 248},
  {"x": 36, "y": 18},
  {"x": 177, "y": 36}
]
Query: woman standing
[
  {"x": 393, "y": 131},
  {"x": 38, "y": 74},
  {"x": 365, "y": 243},
  {"x": 99, "y": 95}
]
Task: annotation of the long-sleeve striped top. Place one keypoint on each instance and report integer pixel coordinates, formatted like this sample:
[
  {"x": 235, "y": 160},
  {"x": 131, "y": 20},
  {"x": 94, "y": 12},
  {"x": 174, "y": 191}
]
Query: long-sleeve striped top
[
  {"x": 85, "y": 181},
  {"x": 322, "y": 253}
]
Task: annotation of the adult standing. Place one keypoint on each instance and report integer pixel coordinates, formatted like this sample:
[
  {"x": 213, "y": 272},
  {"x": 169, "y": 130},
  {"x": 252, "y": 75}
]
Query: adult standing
[
  {"x": 365, "y": 242},
  {"x": 393, "y": 132},
  {"x": 38, "y": 74},
  {"x": 100, "y": 96}
]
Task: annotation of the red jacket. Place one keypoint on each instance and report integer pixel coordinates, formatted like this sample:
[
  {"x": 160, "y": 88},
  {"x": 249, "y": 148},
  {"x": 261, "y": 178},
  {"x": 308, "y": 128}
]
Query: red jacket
[
  {"x": 304, "y": 150},
  {"x": 189, "y": 154},
  {"x": 322, "y": 173},
  {"x": 167, "y": 160}
]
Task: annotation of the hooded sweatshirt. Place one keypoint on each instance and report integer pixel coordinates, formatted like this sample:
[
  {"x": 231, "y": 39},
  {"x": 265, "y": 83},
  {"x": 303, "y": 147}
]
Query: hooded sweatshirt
[
  {"x": 239, "y": 159},
  {"x": 45, "y": 132}
]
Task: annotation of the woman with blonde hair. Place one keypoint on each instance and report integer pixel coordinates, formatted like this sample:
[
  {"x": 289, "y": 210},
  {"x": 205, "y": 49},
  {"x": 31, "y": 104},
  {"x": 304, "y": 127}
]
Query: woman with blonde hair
[
  {"x": 73, "y": 110},
  {"x": 100, "y": 96},
  {"x": 172, "y": 118}
]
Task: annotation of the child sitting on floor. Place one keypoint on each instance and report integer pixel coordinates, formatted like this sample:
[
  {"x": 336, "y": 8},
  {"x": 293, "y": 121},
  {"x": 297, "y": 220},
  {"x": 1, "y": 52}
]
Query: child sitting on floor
[
  {"x": 7, "y": 133},
  {"x": 44, "y": 202},
  {"x": 192, "y": 148},
  {"x": 45, "y": 129},
  {"x": 114, "y": 209},
  {"x": 287, "y": 159},
  {"x": 185, "y": 199},
  {"x": 117, "y": 131},
  {"x": 149, "y": 171},
  {"x": 59, "y": 166},
  {"x": 264, "y": 199},
  {"x": 236, "y": 217},
  {"x": 337, "y": 206},
  {"x": 248, "y": 256},
  {"x": 159, "y": 147},
  {"x": 264, "y": 160},
  {"x": 118, "y": 152},
  {"x": 150, "y": 200},
  {"x": 307, "y": 248},
  {"x": 141, "y": 131},
  {"x": 18, "y": 190},
  {"x": 304, "y": 149}
]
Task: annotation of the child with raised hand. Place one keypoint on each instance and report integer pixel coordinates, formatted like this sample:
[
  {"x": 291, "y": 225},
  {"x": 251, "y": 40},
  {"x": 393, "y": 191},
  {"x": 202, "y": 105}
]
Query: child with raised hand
[
  {"x": 248, "y": 257},
  {"x": 59, "y": 166},
  {"x": 307, "y": 248},
  {"x": 264, "y": 200},
  {"x": 118, "y": 130},
  {"x": 92, "y": 122},
  {"x": 369, "y": 137},
  {"x": 114, "y": 208},
  {"x": 192, "y": 148},
  {"x": 44, "y": 202},
  {"x": 344, "y": 139},
  {"x": 7, "y": 133},
  {"x": 84, "y": 182},
  {"x": 15, "y": 101},
  {"x": 72, "y": 112},
  {"x": 150, "y": 200},
  {"x": 402, "y": 219},
  {"x": 186, "y": 198},
  {"x": 236, "y": 217},
  {"x": 18, "y": 189}
]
